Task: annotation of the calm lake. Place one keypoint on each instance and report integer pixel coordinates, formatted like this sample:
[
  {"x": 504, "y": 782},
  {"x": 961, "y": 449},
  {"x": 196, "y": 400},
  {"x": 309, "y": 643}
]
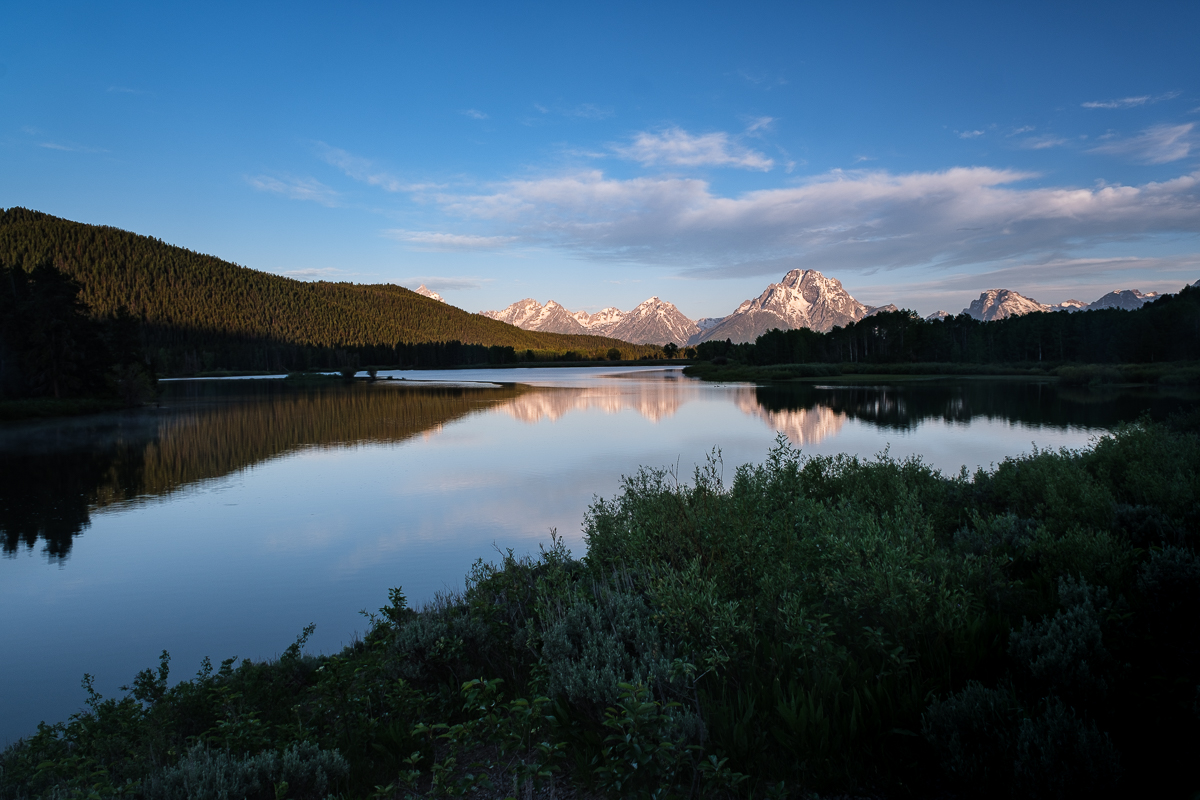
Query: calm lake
[{"x": 222, "y": 522}]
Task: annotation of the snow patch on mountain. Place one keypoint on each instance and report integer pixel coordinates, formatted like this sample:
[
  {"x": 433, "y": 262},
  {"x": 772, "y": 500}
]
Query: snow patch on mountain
[
  {"x": 803, "y": 299},
  {"x": 533, "y": 316},
  {"x": 654, "y": 321},
  {"x": 1125, "y": 299},
  {"x": 432, "y": 295},
  {"x": 1001, "y": 304}
]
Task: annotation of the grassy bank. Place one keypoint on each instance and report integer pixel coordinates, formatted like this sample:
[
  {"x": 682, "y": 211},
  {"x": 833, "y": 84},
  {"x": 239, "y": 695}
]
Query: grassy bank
[
  {"x": 812, "y": 624},
  {"x": 1182, "y": 373}
]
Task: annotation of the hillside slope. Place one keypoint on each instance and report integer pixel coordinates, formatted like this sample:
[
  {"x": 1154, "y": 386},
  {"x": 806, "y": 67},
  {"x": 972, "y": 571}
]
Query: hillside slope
[{"x": 187, "y": 299}]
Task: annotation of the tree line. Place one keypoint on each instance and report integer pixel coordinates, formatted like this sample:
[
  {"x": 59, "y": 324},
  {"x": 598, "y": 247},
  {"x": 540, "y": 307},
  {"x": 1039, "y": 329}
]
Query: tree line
[
  {"x": 1163, "y": 331},
  {"x": 197, "y": 312},
  {"x": 51, "y": 347}
]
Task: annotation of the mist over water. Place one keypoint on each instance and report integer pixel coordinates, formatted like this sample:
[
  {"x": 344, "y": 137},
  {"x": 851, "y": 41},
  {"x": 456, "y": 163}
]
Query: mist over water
[{"x": 225, "y": 520}]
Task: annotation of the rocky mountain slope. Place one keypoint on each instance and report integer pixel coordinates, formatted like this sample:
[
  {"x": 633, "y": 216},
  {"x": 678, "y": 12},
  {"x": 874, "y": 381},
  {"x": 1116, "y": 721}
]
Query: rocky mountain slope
[
  {"x": 803, "y": 299},
  {"x": 654, "y": 321},
  {"x": 533, "y": 316},
  {"x": 1126, "y": 299},
  {"x": 432, "y": 295},
  {"x": 1001, "y": 303}
]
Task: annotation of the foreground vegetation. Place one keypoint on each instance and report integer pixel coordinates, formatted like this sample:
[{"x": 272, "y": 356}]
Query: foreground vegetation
[{"x": 815, "y": 624}]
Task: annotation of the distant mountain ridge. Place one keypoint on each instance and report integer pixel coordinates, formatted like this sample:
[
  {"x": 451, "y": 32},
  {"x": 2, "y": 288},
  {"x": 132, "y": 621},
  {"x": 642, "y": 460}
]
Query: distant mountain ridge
[
  {"x": 1001, "y": 303},
  {"x": 654, "y": 321},
  {"x": 802, "y": 299}
]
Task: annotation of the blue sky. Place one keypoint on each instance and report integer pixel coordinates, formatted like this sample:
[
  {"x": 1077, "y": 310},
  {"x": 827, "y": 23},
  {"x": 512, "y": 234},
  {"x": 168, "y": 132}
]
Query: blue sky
[{"x": 597, "y": 155}]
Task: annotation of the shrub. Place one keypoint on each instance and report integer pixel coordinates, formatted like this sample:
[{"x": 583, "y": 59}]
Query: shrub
[
  {"x": 1061, "y": 756},
  {"x": 597, "y": 644},
  {"x": 302, "y": 772},
  {"x": 1065, "y": 654},
  {"x": 974, "y": 733}
]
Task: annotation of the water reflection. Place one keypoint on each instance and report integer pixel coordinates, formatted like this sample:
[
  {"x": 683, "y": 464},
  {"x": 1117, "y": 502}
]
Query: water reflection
[
  {"x": 904, "y": 406},
  {"x": 57, "y": 473}
]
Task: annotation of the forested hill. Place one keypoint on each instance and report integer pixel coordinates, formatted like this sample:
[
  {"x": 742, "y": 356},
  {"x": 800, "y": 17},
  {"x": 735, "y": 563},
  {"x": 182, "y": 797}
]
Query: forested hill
[{"x": 190, "y": 300}]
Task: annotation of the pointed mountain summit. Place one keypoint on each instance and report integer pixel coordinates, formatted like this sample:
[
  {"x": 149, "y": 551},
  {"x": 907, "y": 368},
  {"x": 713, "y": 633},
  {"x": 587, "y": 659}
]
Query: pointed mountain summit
[
  {"x": 432, "y": 295},
  {"x": 1000, "y": 304},
  {"x": 1125, "y": 299},
  {"x": 603, "y": 320},
  {"x": 655, "y": 321},
  {"x": 803, "y": 299},
  {"x": 533, "y": 316}
]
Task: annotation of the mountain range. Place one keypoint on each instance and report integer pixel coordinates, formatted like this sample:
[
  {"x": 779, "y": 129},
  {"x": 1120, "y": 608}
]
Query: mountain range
[
  {"x": 1001, "y": 303},
  {"x": 802, "y": 299},
  {"x": 654, "y": 321}
]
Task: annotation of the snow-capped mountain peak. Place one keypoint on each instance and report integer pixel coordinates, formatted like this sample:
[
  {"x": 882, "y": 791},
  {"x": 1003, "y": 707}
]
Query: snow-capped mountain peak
[
  {"x": 432, "y": 295},
  {"x": 1125, "y": 299},
  {"x": 804, "y": 298},
  {"x": 654, "y": 321},
  {"x": 1002, "y": 303}
]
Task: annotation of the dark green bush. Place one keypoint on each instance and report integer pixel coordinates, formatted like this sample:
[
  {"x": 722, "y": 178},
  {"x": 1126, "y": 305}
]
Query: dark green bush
[
  {"x": 974, "y": 733},
  {"x": 1061, "y": 756},
  {"x": 302, "y": 772}
]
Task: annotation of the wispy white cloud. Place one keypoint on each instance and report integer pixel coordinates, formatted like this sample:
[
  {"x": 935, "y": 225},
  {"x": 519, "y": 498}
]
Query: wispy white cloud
[
  {"x": 589, "y": 111},
  {"x": 474, "y": 113},
  {"x": 71, "y": 148},
  {"x": 855, "y": 220},
  {"x": 969, "y": 134},
  {"x": 1020, "y": 130},
  {"x": 761, "y": 79},
  {"x": 1044, "y": 142},
  {"x": 295, "y": 188},
  {"x": 441, "y": 283},
  {"x": 316, "y": 273},
  {"x": 677, "y": 147},
  {"x": 126, "y": 90},
  {"x": 448, "y": 241},
  {"x": 360, "y": 169},
  {"x": 1130, "y": 102},
  {"x": 759, "y": 124},
  {"x": 1160, "y": 144}
]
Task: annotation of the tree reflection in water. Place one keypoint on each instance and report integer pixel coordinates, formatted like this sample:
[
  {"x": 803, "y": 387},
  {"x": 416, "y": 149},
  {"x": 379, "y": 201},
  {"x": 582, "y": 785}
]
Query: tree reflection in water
[{"x": 56, "y": 473}]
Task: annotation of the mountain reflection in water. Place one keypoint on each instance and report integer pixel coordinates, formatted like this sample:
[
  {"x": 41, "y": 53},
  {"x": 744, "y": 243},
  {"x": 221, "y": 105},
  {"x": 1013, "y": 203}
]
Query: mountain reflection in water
[{"x": 57, "y": 473}]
